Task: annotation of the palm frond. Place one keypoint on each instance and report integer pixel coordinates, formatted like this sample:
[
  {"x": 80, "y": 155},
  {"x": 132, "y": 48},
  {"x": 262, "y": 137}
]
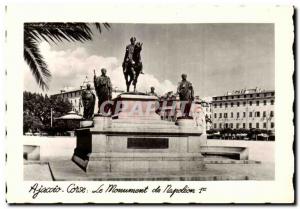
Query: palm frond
[
  {"x": 36, "y": 63},
  {"x": 57, "y": 32},
  {"x": 98, "y": 26},
  {"x": 51, "y": 32}
]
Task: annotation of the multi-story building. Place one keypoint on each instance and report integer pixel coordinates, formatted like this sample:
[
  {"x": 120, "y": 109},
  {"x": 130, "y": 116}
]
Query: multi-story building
[
  {"x": 207, "y": 111},
  {"x": 246, "y": 109},
  {"x": 200, "y": 110},
  {"x": 74, "y": 96}
]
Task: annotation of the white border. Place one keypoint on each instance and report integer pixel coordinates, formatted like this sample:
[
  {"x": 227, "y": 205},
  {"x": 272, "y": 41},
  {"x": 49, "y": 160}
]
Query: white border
[{"x": 245, "y": 191}]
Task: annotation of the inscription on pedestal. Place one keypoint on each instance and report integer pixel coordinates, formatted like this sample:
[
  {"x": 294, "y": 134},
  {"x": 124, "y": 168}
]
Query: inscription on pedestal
[{"x": 147, "y": 143}]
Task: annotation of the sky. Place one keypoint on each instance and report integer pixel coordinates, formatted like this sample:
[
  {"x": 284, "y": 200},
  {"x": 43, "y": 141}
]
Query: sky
[{"x": 216, "y": 57}]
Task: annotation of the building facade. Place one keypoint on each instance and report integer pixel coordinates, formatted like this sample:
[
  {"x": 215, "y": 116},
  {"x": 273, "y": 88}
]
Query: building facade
[
  {"x": 200, "y": 110},
  {"x": 244, "y": 109},
  {"x": 74, "y": 96}
]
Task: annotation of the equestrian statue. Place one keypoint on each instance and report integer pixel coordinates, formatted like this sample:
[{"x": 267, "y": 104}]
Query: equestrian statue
[{"x": 132, "y": 64}]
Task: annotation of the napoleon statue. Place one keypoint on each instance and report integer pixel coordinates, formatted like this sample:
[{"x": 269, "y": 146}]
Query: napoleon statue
[
  {"x": 103, "y": 89},
  {"x": 88, "y": 100},
  {"x": 186, "y": 95},
  {"x": 132, "y": 64}
]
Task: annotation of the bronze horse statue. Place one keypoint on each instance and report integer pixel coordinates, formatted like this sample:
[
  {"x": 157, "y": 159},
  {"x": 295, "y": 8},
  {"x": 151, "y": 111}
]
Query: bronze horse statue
[{"x": 132, "y": 68}]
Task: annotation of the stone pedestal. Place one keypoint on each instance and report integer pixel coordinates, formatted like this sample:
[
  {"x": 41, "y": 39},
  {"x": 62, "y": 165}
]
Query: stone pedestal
[
  {"x": 187, "y": 123},
  {"x": 138, "y": 142}
]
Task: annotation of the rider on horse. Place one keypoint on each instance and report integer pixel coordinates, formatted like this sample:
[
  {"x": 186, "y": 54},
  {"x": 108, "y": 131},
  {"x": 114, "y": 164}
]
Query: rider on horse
[
  {"x": 128, "y": 61},
  {"x": 132, "y": 64},
  {"x": 128, "y": 58}
]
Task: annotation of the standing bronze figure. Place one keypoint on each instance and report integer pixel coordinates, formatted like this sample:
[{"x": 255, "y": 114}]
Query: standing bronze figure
[
  {"x": 186, "y": 95},
  {"x": 132, "y": 64},
  {"x": 152, "y": 92},
  {"x": 88, "y": 100},
  {"x": 103, "y": 89}
]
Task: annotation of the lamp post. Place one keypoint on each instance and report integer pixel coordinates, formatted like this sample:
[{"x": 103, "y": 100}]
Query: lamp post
[{"x": 51, "y": 112}]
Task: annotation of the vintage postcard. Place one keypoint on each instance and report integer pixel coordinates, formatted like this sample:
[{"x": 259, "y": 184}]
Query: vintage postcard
[{"x": 148, "y": 104}]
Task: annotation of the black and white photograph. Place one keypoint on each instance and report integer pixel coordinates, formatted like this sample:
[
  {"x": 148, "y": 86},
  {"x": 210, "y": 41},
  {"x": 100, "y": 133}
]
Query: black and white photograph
[
  {"x": 106, "y": 103},
  {"x": 149, "y": 101}
]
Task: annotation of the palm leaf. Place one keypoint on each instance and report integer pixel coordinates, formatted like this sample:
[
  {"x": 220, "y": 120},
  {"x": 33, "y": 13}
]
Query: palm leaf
[
  {"x": 98, "y": 26},
  {"x": 51, "y": 32},
  {"x": 36, "y": 63}
]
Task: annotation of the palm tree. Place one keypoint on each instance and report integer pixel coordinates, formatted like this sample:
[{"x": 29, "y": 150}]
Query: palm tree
[{"x": 52, "y": 32}]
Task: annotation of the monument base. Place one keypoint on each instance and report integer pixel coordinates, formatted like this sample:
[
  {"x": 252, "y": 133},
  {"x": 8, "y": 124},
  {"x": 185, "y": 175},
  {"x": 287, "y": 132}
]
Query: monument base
[
  {"x": 137, "y": 152},
  {"x": 138, "y": 143},
  {"x": 216, "y": 170}
]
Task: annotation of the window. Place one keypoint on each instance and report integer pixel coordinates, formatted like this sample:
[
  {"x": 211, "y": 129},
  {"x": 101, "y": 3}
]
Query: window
[
  {"x": 215, "y": 125},
  {"x": 215, "y": 105},
  {"x": 257, "y": 103},
  {"x": 257, "y": 125},
  {"x": 225, "y": 115},
  {"x": 264, "y": 114},
  {"x": 245, "y": 96},
  {"x": 215, "y": 115},
  {"x": 272, "y": 94},
  {"x": 271, "y": 114},
  {"x": 220, "y": 98},
  {"x": 225, "y": 105},
  {"x": 257, "y": 95},
  {"x": 265, "y": 125},
  {"x": 257, "y": 114},
  {"x": 244, "y": 114},
  {"x": 237, "y": 125},
  {"x": 220, "y": 115},
  {"x": 231, "y": 104},
  {"x": 250, "y": 125},
  {"x": 238, "y": 96},
  {"x": 272, "y": 125},
  {"x": 220, "y": 105},
  {"x": 226, "y": 125},
  {"x": 231, "y": 125},
  {"x": 250, "y": 103},
  {"x": 265, "y": 102},
  {"x": 244, "y": 125},
  {"x": 220, "y": 125},
  {"x": 251, "y": 95},
  {"x": 250, "y": 114},
  {"x": 244, "y": 103},
  {"x": 232, "y": 114},
  {"x": 237, "y": 115},
  {"x": 238, "y": 104},
  {"x": 272, "y": 102}
]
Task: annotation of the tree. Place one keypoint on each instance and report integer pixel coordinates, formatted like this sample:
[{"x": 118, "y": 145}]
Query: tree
[
  {"x": 37, "y": 111},
  {"x": 51, "y": 32}
]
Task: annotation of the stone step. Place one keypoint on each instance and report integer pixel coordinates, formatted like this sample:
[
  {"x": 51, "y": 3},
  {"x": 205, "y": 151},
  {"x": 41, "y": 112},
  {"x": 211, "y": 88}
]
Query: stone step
[
  {"x": 239, "y": 153},
  {"x": 146, "y": 155},
  {"x": 68, "y": 171}
]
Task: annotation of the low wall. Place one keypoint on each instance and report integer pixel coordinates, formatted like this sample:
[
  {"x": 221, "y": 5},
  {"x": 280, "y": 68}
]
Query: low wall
[
  {"x": 62, "y": 147},
  {"x": 258, "y": 150},
  {"x": 54, "y": 148}
]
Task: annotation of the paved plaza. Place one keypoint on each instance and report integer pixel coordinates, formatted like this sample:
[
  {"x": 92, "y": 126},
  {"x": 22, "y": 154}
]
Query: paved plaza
[{"x": 58, "y": 165}]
